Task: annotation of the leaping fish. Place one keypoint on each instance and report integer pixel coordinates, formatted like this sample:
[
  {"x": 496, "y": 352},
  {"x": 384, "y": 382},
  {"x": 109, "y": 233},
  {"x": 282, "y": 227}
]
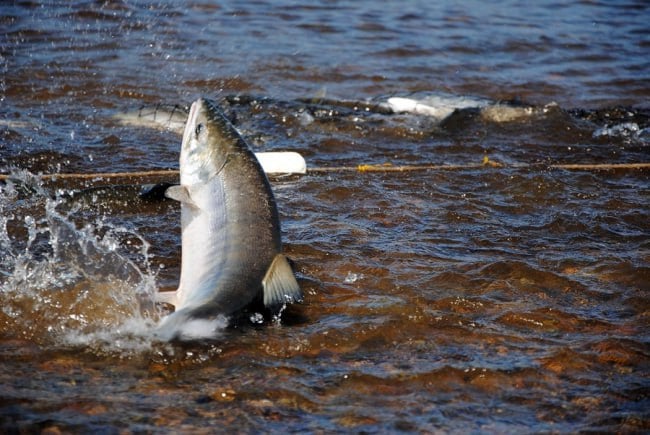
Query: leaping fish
[{"x": 231, "y": 246}]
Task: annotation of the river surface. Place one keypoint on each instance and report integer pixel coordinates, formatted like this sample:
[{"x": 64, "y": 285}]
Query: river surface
[{"x": 503, "y": 296}]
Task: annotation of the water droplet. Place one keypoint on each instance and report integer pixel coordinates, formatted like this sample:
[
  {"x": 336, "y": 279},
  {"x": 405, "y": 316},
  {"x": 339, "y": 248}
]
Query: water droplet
[
  {"x": 352, "y": 277},
  {"x": 257, "y": 318}
]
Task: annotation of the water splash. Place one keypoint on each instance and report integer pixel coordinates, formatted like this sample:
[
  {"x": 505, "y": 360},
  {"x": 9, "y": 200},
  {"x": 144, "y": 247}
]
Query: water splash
[
  {"x": 625, "y": 130},
  {"x": 67, "y": 281}
]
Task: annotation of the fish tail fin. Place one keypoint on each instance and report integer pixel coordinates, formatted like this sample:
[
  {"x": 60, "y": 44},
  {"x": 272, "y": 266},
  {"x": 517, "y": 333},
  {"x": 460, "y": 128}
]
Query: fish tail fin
[
  {"x": 169, "y": 327},
  {"x": 279, "y": 284}
]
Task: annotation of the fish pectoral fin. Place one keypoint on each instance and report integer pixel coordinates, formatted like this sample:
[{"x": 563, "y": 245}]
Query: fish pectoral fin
[
  {"x": 167, "y": 297},
  {"x": 180, "y": 194},
  {"x": 279, "y": 284}
]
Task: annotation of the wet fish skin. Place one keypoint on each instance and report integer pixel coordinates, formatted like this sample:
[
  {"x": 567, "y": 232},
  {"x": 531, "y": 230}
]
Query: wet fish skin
[{"x": 231, "y": 245}]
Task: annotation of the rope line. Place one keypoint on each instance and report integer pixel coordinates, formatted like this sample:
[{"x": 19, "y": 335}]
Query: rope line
[
  {"x": 486, "y": 164},
  {"x": 359, "y": 168}
]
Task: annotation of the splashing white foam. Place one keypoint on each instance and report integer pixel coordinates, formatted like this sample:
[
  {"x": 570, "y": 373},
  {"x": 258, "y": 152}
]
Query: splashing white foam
[
  {"x": 626, "y": 129},
  {"x": 196, "y": 329},
  {"x": 65, "y": 283}
]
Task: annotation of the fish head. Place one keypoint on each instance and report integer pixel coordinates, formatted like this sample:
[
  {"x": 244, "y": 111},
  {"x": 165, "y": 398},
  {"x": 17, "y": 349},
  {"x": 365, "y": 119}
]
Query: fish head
[{"x": 207, "y": 140}]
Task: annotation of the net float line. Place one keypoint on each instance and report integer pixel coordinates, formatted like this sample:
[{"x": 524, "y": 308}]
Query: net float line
[
  {"x": 486, "y": 164},
  {"x": 168, "y": 174}
]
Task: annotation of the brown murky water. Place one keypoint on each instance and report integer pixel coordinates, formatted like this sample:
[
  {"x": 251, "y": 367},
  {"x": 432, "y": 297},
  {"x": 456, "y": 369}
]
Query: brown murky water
[{"x": 480, "y": 299}]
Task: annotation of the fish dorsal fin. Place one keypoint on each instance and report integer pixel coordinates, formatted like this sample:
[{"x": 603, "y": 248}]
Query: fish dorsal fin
[
  {"x": 180, "y": 194},
  {"x": 279, "y": 284}
]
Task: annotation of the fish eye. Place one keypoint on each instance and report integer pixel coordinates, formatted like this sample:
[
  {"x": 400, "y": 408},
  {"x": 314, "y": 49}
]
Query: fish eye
[{"x": 198, "y": 129}]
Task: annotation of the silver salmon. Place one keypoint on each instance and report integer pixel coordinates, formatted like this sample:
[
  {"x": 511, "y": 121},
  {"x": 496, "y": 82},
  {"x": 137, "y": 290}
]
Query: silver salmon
[{"x": 231, "y": 246}]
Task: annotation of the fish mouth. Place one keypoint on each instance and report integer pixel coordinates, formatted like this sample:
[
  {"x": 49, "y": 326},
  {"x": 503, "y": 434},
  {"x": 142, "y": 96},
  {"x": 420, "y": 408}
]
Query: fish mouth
[{"x": 191, "y": 121}]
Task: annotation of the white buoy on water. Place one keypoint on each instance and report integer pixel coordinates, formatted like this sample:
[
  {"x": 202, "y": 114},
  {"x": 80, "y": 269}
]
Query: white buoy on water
[{"x": 282, "y": 162}]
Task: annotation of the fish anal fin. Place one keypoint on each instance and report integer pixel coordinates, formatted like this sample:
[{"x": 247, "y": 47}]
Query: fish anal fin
[
  {"x": 167, "y": 297},
  {"x": 180, "y": 194},
  {"x": 279, "y": 284}
]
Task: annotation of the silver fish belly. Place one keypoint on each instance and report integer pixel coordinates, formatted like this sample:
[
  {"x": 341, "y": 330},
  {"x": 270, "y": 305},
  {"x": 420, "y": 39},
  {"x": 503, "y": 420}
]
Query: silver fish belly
[{"x": 231, "y": 245}]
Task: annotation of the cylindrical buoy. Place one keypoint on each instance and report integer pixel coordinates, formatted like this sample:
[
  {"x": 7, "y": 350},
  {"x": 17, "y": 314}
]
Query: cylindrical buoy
[{"x": 282, "y": 162}]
